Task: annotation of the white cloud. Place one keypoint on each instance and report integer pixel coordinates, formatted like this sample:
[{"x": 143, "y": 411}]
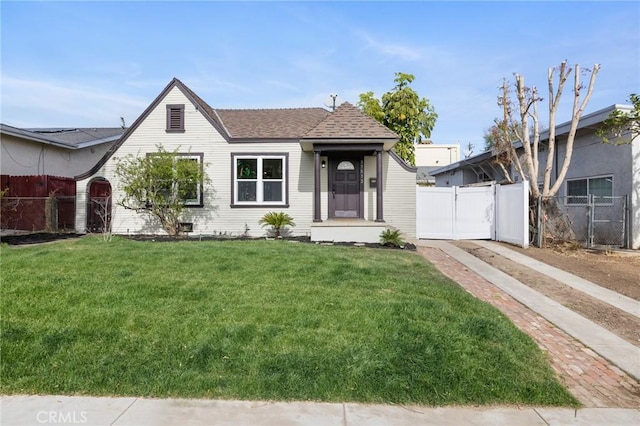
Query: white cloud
[
  {"x": 389, "y": 49},
  {"x": 41, "y": 103}
]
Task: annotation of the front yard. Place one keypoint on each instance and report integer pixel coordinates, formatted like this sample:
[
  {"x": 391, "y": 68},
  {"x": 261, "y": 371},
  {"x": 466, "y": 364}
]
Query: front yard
[{"x": 266, "y": 320}]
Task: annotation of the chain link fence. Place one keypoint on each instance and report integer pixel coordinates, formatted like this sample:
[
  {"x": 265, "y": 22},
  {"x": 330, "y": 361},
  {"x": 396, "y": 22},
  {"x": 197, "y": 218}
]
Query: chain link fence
[{"x": 593, "y": 221}]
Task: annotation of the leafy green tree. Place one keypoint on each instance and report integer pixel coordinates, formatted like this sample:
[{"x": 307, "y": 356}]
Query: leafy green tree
[
  {"x": 160, "y": 185},
  {"x": 403, "y": 111},
  {"x": 621, "y": 123}
]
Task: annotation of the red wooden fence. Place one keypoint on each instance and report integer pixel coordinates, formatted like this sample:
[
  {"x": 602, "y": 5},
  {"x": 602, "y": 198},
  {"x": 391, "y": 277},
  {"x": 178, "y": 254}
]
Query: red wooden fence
[{"x": 38, "y": 203}]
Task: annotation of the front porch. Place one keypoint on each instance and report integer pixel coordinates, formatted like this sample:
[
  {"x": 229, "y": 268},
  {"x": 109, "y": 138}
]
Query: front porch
[{"x": 347, "y": 230}]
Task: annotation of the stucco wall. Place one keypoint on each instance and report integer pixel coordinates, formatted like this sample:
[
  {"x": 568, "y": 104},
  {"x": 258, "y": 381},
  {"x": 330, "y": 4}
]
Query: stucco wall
[
  {"x": 21, "y": 157},
  {"x": 436, "y": 155},
  {"x": 635, "y": 193}
]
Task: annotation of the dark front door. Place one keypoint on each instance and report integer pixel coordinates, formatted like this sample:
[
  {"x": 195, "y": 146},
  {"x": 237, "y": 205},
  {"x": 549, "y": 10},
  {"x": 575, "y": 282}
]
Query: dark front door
[{"x": 344, "y": 182}]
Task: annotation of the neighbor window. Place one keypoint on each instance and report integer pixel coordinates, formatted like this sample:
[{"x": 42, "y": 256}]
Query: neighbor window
[
  {"x": 578, "y": 190},
  {"x": 259, "y": 179},
  {"x": 175, "y": 118}
]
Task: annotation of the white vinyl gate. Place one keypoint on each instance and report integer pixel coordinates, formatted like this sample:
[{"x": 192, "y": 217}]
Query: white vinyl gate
[{"x": 496, "y": 212}]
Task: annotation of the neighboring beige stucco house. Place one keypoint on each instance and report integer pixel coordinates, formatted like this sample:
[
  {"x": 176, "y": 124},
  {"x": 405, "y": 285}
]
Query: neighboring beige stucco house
[
  {"x": 64, "y": 152},
  {"x": 37, "y": 169},
  {"x": 333, "y": 172},
  {"x": 430, "y": 157}
]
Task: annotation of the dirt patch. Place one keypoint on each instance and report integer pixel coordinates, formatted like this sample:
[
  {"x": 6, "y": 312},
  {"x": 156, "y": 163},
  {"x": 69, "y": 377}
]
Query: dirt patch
[
  {"x": 616, "y": 271},
  {"x": 618, "y": 322}
]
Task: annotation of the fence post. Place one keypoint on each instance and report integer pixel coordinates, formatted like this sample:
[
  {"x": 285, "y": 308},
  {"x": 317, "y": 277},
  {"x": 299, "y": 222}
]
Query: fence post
[
  {"x": 590, "y": 214},
  {"x": 626, "y": 223},
  {"x": 51, "y": 214}
]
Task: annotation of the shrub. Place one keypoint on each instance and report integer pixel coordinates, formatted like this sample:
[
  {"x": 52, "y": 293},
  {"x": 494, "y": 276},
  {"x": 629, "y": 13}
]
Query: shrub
[
  {"x": 277, "y": 220},
  {"x": 391, "y": 238}
]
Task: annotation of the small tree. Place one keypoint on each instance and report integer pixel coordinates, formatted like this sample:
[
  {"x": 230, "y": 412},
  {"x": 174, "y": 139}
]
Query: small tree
[
  {"x": 401, "y": 110},
  {"x": 159, "y": 185},
  {"x": 620, "y": 123},
  {"x": 102, "y": 209}
]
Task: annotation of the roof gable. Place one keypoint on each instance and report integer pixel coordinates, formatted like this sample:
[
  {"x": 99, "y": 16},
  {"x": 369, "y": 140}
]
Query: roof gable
[
  {"x": 349, "y": 122},
  {"x": 201, "y": 105}
]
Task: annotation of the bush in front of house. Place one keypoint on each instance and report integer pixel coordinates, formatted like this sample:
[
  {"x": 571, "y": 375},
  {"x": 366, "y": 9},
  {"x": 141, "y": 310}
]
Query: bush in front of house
[{"x": 277, "y": 220}]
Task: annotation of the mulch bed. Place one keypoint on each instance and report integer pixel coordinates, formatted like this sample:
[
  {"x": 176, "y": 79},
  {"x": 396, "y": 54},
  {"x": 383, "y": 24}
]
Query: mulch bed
[
  {"x": 35, "y": 238},
  {"x": 43, "y": 237}
]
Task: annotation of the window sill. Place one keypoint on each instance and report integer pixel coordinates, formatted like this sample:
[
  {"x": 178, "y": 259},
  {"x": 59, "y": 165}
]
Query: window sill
[
  {"x": 258, "y": 206},
  {"x": 174, "y": 130}
]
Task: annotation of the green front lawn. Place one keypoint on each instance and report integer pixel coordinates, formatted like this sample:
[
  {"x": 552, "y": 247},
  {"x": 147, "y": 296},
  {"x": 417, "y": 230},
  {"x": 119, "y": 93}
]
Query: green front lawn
[{"x": 266, "y": 320}]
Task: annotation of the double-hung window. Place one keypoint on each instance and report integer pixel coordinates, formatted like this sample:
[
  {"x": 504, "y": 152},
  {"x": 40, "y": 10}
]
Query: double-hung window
[
  {"x": 188, "y": 167},
  {"x": 182, "y": 179},
  {"x": 578, "y": 190},
  {"x": 259, "y": 179}
]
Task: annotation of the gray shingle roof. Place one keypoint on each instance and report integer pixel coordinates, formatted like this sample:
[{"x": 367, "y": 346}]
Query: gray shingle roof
[
  {"x": 349, "y": 122},
  {"x": 289, "y": 123},
  {"x": 80, "y": 136},
  {"x": 346, "y": 122},
  {"x": 65, "y": 137}
]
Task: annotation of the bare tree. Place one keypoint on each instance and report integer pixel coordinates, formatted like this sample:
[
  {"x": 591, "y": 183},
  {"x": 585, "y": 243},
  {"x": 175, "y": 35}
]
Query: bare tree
[
  {"x": 522, "y": 151},
  {"x": 525, "y": 125}
]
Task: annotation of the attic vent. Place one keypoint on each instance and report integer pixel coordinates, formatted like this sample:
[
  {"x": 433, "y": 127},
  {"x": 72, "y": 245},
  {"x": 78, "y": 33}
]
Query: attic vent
[{"x": 175, "y": 118}]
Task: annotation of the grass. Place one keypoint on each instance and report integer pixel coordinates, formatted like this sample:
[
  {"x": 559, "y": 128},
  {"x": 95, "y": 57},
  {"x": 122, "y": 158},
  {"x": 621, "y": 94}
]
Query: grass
[{"x": 265, "y": 320}]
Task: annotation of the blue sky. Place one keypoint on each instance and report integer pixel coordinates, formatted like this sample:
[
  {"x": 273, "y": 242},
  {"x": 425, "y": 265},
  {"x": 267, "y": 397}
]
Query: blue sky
[{"x": 85, "y": 64}]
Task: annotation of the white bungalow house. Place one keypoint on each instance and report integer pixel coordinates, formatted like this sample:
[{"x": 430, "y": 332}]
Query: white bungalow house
[
  {"x": 333, "y": 172},
  {"x": 604, "y": 170}
]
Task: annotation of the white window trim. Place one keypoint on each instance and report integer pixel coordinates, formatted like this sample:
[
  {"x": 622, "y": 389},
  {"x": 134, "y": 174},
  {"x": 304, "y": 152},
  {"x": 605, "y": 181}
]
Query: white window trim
[
  {"x": 259, "y": 181},
  {"x": 198, "y": 201},
  {"x": 587, "y": 179}
]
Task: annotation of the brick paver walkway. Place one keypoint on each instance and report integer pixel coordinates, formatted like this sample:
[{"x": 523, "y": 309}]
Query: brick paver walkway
[{"x": 589, "y": 377}]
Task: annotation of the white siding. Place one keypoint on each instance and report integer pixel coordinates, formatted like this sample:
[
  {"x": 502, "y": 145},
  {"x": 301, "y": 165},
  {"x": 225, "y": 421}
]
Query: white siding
[
  {"x": 399, "y": 186},
  {"x": 200, "y": 136},
  {"x": 217, "y": 216}
]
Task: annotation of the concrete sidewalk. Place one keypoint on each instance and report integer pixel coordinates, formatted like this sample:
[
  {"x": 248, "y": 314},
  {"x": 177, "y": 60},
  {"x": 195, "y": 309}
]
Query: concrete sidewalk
[{"x": 39, "y": 410}]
